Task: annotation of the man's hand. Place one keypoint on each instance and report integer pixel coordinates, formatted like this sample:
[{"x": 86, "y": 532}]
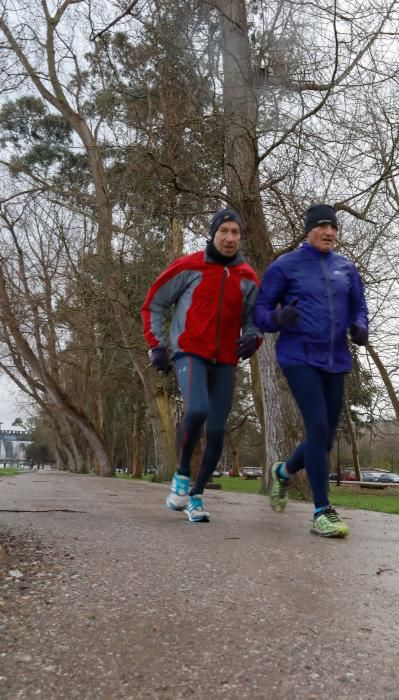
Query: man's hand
[
  {"x": 358, "y": 334},
  {"x": 160, "y": 360},
  {"x": 247, "y": 346},
  {"x": 288, "y": 316}
]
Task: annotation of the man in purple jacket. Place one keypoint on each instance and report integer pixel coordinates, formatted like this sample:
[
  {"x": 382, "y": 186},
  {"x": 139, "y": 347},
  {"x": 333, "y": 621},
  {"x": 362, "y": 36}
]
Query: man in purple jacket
[{"x": 312, "y": 297}]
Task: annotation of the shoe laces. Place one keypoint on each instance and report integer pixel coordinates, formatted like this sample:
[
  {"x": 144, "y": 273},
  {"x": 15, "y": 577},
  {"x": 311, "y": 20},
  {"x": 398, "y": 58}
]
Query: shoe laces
[
  {"x": 196, "y": 502},
  {"x": 181, "y": 485},
  {"x": 330, "y": 513},
  {"x": 281, "y": 485}
]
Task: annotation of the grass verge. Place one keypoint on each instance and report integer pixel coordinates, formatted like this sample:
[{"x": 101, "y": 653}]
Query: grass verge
[
  {"x": 355, "y": 497},
  {"x": 122, "y": 475},
  {"x": 236, "y": 483},
  {"x": 345, "y": 496},
  {"x": 10, "y": 471}
]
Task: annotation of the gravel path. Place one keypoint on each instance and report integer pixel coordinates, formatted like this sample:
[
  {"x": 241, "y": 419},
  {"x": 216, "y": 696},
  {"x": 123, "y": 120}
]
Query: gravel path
[{"x": 106, "y": 595}]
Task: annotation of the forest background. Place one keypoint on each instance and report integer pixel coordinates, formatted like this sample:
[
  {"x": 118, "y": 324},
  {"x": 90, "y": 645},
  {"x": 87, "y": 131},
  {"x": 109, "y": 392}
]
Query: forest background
[{"x": 124, "y": 126}]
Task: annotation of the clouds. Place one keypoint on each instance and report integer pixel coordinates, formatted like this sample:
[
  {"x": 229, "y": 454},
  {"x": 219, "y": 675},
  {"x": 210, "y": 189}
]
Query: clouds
[{"x": 10, "y": 402}]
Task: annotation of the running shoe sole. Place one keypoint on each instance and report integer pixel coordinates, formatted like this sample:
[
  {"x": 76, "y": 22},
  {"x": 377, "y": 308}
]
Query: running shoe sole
[
  {"x": 196, "y": 519},
  {"x": 337, "y": 535}
]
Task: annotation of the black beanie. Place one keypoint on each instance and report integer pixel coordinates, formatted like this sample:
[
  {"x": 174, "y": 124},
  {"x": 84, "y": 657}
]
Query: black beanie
[
  {"x": 223, "y": 215},
  {"x": 320, "y": 214}
]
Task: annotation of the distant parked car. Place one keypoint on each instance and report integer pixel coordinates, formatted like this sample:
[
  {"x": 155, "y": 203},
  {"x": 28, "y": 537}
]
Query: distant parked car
[
  {"x": 390, "y": 478},
  {"x": 217, "y": 473},
  {"x": 348, "y": 476},
  {"x": 345, "y": 476},
  {"x": 151, "y": 470},
  {"x": 251, "y": 472},
  {"x": 370, "y": 476}
]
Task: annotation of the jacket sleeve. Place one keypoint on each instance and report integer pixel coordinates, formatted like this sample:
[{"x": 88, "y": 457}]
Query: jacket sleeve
[
  {"x": 358, "y": 305},
  {"x": 272, "y": 290},
  {"x": 247, "y": 325},
  {"x": 162, "y": 294}
]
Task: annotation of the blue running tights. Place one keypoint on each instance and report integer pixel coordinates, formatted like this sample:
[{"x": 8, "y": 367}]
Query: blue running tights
[
  {"x": 207, "y": 390},
  {"x": 319, "y": 396}
]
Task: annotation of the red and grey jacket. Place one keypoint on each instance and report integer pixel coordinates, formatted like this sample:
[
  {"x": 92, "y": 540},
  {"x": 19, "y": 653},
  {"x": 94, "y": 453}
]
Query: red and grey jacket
[{"x": 212, "y": 304}]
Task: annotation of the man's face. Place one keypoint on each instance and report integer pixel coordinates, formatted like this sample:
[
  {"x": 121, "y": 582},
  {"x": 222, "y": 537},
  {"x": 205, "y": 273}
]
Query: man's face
[
  {"x": 227, "y": 238},
  {"x": 323, "y": 237}
]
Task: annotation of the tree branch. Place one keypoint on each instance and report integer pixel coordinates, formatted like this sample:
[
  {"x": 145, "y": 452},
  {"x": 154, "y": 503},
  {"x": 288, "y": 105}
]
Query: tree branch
[{"x": 115, "y": 21}]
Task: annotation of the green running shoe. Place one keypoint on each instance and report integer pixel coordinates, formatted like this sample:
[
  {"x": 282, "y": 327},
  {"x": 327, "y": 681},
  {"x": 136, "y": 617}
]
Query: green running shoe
[
  {"x": 327, "y": 523},
  {"x": 278, "y": 489}
]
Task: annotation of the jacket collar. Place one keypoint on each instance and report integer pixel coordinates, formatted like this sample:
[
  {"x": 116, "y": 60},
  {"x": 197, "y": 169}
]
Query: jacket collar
[
  {"x": 226, "y": 262},
  {"x": 312, "y": 252}
]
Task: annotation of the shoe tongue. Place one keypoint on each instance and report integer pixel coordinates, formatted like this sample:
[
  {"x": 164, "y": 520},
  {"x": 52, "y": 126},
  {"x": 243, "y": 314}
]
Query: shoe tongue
[{"x": 324, "y": 511}]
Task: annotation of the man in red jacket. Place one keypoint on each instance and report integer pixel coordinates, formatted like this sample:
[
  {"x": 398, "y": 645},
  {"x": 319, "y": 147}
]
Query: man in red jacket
[{"x": 212, "y": 294}]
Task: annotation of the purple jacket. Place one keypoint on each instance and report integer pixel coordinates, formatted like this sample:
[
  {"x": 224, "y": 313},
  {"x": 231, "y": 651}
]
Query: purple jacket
[{"x": 330, "y": 298}]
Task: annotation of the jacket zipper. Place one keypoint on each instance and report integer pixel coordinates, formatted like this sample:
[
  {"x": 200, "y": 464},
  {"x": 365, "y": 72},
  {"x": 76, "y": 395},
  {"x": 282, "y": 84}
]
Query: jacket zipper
[
  {"x": 225, "y": 275},
  {"x": 330, "y": 303}
]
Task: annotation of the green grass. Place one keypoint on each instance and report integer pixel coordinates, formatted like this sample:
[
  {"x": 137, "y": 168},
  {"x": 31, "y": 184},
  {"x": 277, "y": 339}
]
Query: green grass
[
  {"x": 382, "y": 501},
  {"x": 122, "y": 475},
  {"x": 236, "y": 483},
  {"x": 379, "y": 500},
  {"x": 10, "y": 471},
  {"x": 349, "y": 497},
  {"x": 228, "y": 483}
]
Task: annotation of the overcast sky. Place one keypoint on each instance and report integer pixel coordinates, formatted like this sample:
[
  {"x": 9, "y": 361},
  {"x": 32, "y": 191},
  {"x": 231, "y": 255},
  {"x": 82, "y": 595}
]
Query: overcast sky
[{"x": 11, "y": 400}]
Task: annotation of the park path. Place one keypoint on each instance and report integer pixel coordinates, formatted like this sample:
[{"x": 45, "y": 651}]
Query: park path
[{"x": 113, "y": 597}]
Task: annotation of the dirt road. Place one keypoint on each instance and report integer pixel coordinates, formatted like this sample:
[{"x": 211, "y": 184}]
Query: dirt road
[{"x": 107, "y": 595}]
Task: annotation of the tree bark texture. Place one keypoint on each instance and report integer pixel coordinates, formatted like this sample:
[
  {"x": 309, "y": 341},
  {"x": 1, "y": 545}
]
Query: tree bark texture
[
  {"x": 242, "y": 178},
  {"x": 160, "y": 408},
  {"x": 50, "y": 387},
  {"x": 385, "y": 378},
  {"x": 137, "y": 446},
  {"x": 352, "y": 434}
]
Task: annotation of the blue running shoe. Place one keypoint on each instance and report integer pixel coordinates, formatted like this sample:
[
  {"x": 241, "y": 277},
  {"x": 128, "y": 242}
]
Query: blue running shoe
[
  {"x": 195, "y": 510},
  {"x": 178, "y": 497}
]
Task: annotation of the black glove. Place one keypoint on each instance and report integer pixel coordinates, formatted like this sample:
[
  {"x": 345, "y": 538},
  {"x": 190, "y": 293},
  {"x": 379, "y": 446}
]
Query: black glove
[
  {"x": 160, "y": 360},
  {"x": 288, "y": 316},
  {"x": 358, "y": 334},
  {"x": 247, "y": 346}
]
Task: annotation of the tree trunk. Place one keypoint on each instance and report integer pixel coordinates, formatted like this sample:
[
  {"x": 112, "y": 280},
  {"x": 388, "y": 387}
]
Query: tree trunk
[
  {"x": 240, "y": 113},
  {"x": 385, "y": 378},
  {"x": 352, "y": 433},
  {"x": 242, "y": 178},
  {"x": 161, "y": 420},
  {"x": 59, "y": 461},
  {"x": 281, "y": 417},
  {"x": 78, "y": 460},
  {"x": 50, "y": 387},
  {"x": 137, "y": 447},
  {"x": 257, "y": 393},
  {"x": 158, "y": 398},
  {"x": 235, "y": 462},
  {"x": 70, "y": 460}
]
